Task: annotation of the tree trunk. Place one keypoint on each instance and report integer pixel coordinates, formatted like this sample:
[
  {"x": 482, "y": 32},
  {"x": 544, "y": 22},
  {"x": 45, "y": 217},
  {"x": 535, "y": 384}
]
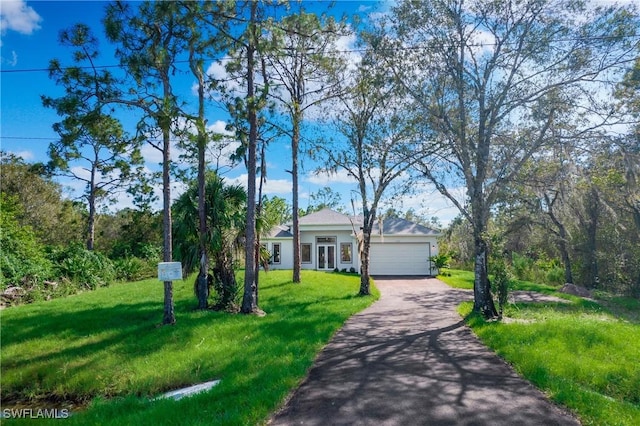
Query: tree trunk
[
  {"x": 203, "y": 284},
  {"x": 164, "y": 122},
  {"x": 562, "y": 244},
  {"x": 91, "y": 222},
  {"x": 593, "y": 211},
  {"x": 256, "y": 251},
  {"x": 169, "y": 315},
  {"x": 225, "y": 279},
  {"x": 482, "y": 299},
  {"x": 295, "y": 141},
  {"x": 91, "y": 225},
  {"x": 249, "y": 303},
  {"x": 365, "y": 280},
  {"x": 566, "y": 260}
]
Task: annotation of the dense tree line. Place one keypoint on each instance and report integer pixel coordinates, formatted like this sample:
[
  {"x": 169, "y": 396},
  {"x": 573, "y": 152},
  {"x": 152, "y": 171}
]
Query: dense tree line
[
  {"x": 43, "y": 247},
  {"x": 512, "y": 104}
]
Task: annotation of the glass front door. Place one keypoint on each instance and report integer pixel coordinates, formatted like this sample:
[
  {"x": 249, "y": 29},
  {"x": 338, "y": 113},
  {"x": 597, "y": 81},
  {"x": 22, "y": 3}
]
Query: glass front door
[{"x": 326, "y": 257}]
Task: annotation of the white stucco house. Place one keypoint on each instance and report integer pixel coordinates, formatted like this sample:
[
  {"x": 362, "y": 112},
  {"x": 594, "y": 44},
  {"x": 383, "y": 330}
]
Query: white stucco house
[{"x": 328, "y": 241}]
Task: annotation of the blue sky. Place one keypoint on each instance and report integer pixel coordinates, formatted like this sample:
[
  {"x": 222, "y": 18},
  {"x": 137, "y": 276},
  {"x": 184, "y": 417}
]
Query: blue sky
[{"x": 30, "y": 40}]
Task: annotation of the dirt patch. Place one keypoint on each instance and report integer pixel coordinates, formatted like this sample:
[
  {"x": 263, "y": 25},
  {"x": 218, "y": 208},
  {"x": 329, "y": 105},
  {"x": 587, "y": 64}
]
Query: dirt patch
[
  {"x": 576, "y": 291},
  {"x": 523, "y": 296}
]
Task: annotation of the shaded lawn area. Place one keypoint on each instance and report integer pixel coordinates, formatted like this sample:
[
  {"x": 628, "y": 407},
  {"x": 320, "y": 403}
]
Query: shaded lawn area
[
  {"x": 106, "y": 347},
  {"x": 583, "y": 354}
]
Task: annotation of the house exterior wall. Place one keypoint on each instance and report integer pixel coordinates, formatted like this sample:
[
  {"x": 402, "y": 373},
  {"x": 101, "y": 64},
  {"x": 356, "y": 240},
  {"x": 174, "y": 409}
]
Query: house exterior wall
[
  {"x": 309, "y": 237},
  {"x": 286, "y": 252}
]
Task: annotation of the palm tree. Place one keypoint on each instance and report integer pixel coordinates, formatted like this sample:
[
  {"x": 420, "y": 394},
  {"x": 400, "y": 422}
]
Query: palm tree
[{"x": 225, "y": 209}]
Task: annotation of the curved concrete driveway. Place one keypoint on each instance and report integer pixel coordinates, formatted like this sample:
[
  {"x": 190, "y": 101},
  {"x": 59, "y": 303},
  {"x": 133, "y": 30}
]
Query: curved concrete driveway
[{"x": 409, "y": 360}]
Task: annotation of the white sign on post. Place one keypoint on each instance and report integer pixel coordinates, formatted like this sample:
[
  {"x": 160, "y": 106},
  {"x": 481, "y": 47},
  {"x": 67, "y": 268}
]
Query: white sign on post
[{"x": 169, "y": 271}]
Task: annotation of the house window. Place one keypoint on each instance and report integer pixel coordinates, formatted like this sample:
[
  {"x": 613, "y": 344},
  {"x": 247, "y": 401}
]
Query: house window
[
  {"x": 305, "y": 250},
  {"x": 276, "y": 253},
  {"x": 345, "y": 253},
  {"x": 325, "y": 240}
]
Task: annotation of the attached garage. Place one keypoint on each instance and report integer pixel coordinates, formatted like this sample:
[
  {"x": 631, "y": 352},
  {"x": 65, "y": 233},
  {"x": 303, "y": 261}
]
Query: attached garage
[{"x": 399, "y": 259}]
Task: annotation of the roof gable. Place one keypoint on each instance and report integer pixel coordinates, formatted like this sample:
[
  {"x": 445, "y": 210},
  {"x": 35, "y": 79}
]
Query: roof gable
[{"x": 325, "y": 217}]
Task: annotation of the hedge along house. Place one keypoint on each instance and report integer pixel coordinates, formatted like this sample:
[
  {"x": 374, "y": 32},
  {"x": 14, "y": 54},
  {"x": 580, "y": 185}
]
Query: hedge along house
[{"x": 329, "y": 241}]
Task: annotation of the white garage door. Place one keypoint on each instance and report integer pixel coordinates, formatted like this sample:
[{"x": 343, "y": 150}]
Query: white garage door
[{"x": 399, "y": 259}]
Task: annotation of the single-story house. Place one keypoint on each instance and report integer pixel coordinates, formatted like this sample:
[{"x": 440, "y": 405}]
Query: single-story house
[{"x": 329, "y": 241}]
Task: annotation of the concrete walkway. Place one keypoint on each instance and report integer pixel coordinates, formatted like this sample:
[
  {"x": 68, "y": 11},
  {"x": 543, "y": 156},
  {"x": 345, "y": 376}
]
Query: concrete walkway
[{"x": 409, "y": 360}]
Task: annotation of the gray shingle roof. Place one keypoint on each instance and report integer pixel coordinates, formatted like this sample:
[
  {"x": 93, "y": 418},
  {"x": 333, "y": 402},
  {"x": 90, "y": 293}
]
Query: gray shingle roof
[
  {"x": 325, "y": 217},
  {"x": 397, "y": 226},
  {"x": 280, "y": 231}
]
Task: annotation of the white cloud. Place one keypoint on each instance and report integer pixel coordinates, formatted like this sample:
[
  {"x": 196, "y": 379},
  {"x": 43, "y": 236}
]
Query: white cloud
[
  {"x": 151, "y": 154},
  {"x": 14, "y": 58},
  {"x": 15, "y": 15},
  {"x": 25, "y": 155},
  {"x": 220, "y": 127},
  {"x": 219, "y": 152},
  {"x": 217, "y": 71},
  {"x": 481, "y": 41},
  {"x": 363, "y": 8},
  {"x": 271, "y": 186},
  {"x": 429, "y": 202},
  {"x": 322, "y": 178}
]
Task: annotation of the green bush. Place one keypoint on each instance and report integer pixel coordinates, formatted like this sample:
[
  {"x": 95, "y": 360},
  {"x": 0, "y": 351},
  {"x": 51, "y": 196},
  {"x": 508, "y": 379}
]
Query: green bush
[
  {"x": 22, "y": 257},
  {"x": 147, "y": 251},
  {"x": 441, "y": 260},
  {"x": 521, "y": 266},
  {"x": 88, "y": 269},
  {"x": 134, "y": 268},
  {"x": 555, "y": 276}
]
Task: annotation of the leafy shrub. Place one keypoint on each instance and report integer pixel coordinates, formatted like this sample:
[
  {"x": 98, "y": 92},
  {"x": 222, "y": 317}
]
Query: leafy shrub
[
  {"x": 88, "y": 269},
  {"x": 441, "y": 260},
  {"x": 134, "y": 268},
  {"x": 146, "y": 251},
  {"x": 521, "y": 266},
  {"x": 555, "y": 276},
  {"x": 22, "y": 257}
]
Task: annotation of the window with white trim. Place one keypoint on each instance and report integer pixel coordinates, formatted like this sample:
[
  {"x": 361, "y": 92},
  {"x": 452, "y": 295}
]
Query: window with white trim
[
  {"x": 305, "y": 252},
  {"x": 346, "y": 253},
  {"x": 276, "y": 253}
]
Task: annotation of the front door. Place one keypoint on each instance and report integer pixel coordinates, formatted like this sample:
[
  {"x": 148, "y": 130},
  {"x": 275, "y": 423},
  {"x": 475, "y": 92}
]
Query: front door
[{"x": 326, "y": 257}]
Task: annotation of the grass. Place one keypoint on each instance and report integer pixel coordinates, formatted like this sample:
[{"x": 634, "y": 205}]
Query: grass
[
  {"x": 583, "y": 354},
  {"x": 464, "y": 279},
  {"x": 457, "y": 278},
  {"x": 105, "y": 348}
]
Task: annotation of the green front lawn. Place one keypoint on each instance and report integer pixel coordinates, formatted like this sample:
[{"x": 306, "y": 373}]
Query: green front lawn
[
  {"x": 105, "y": 348},
  {"x": 583, "y": 354}
]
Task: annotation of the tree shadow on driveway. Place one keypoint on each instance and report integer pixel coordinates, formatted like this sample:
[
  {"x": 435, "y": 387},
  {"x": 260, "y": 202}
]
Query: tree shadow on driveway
[{"x": 409, "y": 359}]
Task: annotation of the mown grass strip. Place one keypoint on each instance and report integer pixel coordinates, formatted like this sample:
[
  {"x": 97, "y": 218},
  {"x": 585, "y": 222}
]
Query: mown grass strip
[{"x": 106, "y": 347}]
